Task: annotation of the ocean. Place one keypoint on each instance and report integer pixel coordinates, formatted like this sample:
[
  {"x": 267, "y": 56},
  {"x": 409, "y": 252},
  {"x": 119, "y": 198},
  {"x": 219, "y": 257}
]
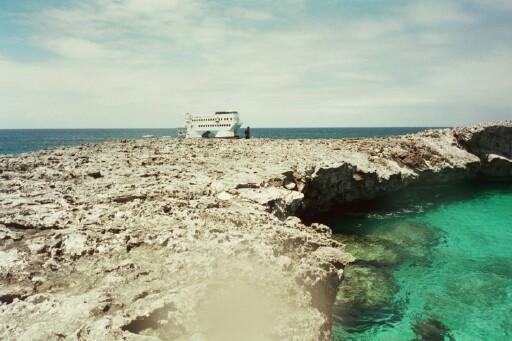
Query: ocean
[
  {"x": 18, "y": 141},
  {"x": 433, "y": 264}
]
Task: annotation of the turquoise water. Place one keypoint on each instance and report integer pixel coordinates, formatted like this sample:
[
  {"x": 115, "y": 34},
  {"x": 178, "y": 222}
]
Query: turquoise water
[
  {"x": 16, "y": 141},
  {"x": 432, "y": 266}
]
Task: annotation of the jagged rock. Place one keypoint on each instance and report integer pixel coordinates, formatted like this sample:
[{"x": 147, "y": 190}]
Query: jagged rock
[
  {"x": 6, "y": 234},
  {"x": 75, "y": 244},
  {"x": 9, "y": 294},
  {"x": 290, "y": 185},
  {"x": 37, "y": 245},
  {"x": 496, "y": 166},
  {"x": 12, "y": 261},
  {"x": 224, "y": 196},
  {"x": 187, "y": 222}
]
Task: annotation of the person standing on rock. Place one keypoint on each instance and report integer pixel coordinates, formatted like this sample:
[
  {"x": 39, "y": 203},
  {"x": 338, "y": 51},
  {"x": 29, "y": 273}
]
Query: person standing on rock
[{"x": 248, "y": 132}]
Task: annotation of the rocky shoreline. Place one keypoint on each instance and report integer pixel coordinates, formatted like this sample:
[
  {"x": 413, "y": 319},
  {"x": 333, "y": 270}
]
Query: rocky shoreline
[{"x": 171, "y": 239}]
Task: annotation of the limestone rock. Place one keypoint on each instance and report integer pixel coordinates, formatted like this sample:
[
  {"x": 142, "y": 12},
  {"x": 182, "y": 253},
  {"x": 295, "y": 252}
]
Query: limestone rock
[{"x": 147, "y": 238}]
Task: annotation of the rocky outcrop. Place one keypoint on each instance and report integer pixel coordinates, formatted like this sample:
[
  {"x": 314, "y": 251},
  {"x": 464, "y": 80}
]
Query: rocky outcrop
[
  {"x": 198, "y": 239},
  {"x": 378, "y": 166},
  {"x": 493, "y": 145}
]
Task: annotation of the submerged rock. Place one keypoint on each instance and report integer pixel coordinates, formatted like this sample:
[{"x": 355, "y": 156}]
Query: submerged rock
[
  {"x": 406, "y": 234},
  {"x": 476, "y": 289},
  {"x": 366, "y": 294},
  {"x": 372, "y": 252},
  {"x": 500, "y": 266},
  {"x": 366, "y": 287},
  {"x": 414, "y": 241},
  {"x": 390, "y": 245},
  {"x": 431, "y": 330}
]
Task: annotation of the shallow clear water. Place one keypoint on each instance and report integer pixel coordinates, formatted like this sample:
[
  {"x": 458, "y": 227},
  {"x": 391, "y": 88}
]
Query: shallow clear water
[
  {"x": 16, "y": 141},
  {"x": 433, "y": 267}
]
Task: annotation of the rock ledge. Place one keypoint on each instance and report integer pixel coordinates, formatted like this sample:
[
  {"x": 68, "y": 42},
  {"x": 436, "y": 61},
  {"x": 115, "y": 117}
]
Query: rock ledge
[{"x": 171, "y": 239}]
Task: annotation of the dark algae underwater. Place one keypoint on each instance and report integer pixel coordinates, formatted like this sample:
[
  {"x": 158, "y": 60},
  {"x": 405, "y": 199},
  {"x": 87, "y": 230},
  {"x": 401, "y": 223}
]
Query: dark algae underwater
[{"x": 432, "y": 264}]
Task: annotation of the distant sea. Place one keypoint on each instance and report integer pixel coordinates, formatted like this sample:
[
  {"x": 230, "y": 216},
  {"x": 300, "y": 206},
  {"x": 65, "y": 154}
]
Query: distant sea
[{"x": 18, "y": 141}]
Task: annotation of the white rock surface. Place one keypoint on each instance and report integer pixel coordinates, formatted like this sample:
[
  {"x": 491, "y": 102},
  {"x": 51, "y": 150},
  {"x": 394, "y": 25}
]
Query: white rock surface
[{"x": 196, "y": 239}]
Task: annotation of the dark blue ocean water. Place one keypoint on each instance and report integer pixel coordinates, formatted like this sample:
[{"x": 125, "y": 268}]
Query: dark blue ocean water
[{"x": 18, "y": 141}]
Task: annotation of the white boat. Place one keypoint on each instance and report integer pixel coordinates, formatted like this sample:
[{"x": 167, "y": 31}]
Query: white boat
[{"x": 222, "y": 124}]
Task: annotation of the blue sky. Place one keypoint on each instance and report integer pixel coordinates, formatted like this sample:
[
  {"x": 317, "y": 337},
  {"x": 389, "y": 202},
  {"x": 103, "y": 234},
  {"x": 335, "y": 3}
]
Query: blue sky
[{"x": 132, "y": 63}]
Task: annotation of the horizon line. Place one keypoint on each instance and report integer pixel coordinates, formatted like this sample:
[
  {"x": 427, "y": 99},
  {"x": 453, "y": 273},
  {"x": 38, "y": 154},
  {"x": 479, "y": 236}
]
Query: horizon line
[{"x": 252, "y": 127}]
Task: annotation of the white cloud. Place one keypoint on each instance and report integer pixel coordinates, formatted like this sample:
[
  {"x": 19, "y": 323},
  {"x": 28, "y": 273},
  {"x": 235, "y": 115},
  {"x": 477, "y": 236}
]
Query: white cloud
[
  {"x": 500, "y": 4},
  {"x": 76, "y": 48},
  {"x": 432, "y": 13},
  {"x": 129, "y": 63},
  {"x": 251, "y": 14}
]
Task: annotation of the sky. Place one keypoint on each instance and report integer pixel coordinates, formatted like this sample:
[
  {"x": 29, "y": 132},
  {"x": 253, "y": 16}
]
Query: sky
[{"x": 286, "y": 63}]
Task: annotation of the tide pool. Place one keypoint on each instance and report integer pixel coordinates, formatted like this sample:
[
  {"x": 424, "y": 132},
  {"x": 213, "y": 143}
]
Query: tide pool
[{"x": 433, "y": 264}]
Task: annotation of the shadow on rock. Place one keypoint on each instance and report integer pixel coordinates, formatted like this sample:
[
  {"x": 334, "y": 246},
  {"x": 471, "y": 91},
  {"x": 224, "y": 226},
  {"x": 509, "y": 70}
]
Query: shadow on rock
[{"x": 158, "y": 324}]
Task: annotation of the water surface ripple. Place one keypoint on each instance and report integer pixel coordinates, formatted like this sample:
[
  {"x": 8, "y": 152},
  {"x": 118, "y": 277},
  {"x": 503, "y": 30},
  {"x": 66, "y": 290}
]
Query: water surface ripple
[{"x": 431, "y": 266}]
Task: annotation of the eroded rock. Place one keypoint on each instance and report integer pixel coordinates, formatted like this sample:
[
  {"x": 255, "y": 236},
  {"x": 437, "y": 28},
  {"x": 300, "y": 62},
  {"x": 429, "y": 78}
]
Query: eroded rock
[{"x": 184, "y": 223}]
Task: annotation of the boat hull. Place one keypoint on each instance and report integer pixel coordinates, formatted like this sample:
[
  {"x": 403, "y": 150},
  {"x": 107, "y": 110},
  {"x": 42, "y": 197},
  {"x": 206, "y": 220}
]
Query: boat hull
[{"x": 213, "y": 133}]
